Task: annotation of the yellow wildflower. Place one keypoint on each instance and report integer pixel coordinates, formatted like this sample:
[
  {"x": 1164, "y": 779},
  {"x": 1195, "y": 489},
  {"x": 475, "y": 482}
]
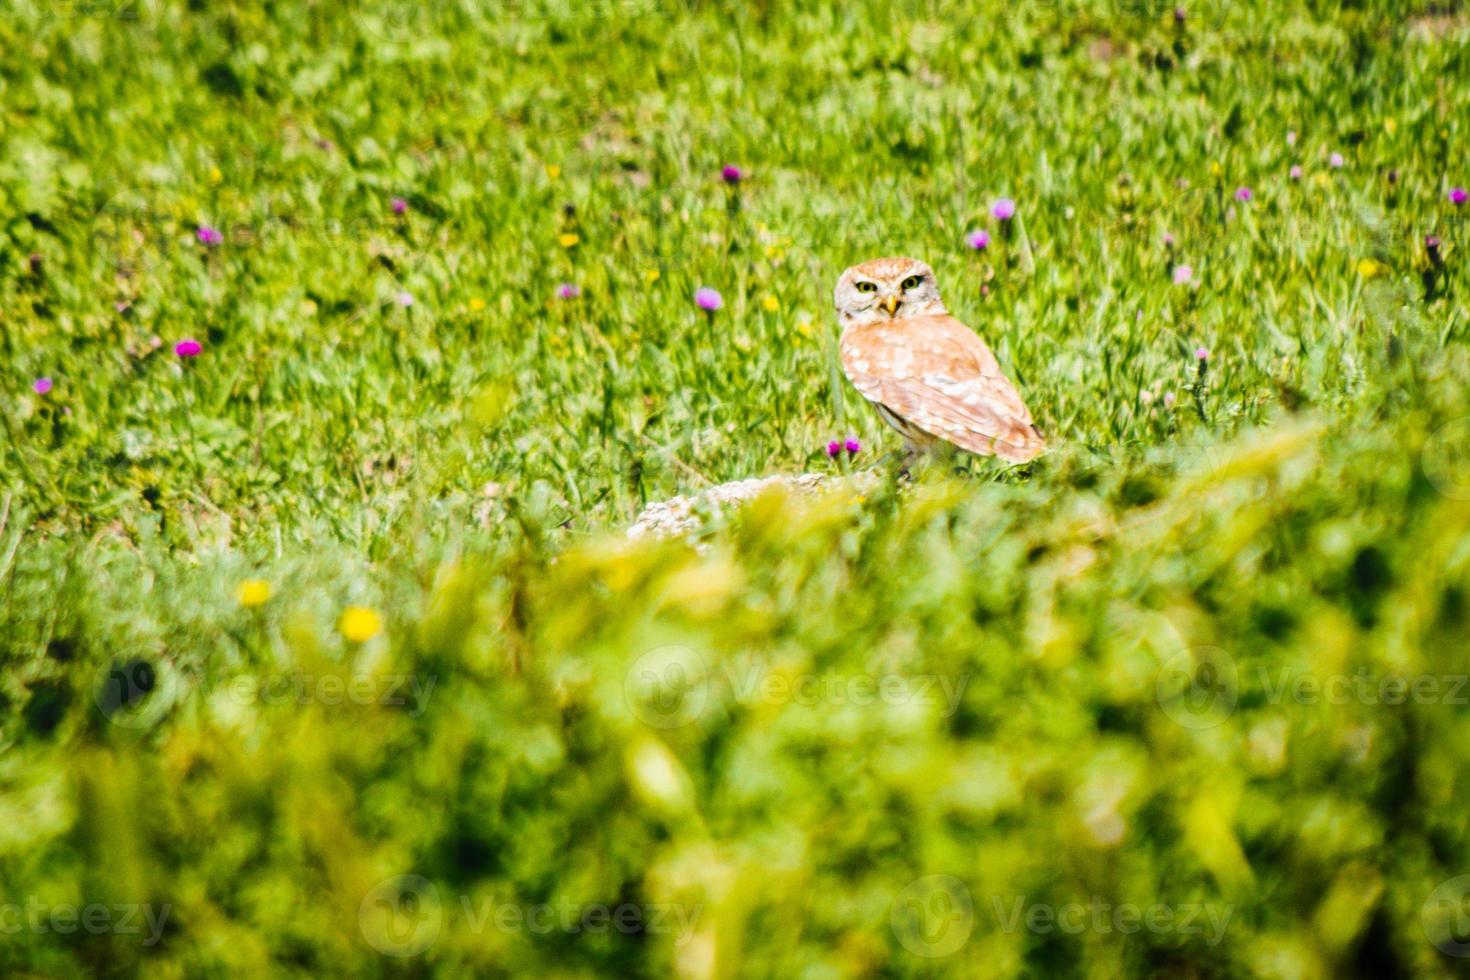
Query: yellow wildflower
[
  {"x": 359, "y": 623},
  {"x": 1371, "y": 268},
  {"x": 215, "y": 176},
  {"x": 651, "y": 276},
  {"x": 568, "y": 240},
  {"x": 553, "y": 171},
  {"x": 476, "y": 304},
  {"x": 253, "y": 592},
  {"x": 770, "y": 304}
]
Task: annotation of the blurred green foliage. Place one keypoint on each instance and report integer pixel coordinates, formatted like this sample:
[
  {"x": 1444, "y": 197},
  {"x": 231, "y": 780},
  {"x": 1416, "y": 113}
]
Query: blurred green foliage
[{"x": 1184, "y": 698}]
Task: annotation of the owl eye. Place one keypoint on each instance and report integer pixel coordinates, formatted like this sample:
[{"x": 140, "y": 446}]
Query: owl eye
[
  {"x": 912, "y": 282},
  {"x": 867, "y": 287}
]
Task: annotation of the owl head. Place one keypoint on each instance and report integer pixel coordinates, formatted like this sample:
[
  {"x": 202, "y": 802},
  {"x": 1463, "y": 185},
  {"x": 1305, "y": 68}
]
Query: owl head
[{"x": 886, "y": 289}]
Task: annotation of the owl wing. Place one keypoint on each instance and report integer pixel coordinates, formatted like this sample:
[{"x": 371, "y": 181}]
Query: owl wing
[{"x": 938, "y": 375}]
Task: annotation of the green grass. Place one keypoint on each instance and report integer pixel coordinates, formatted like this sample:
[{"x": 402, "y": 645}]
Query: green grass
[{"x": 861, "y": 735}]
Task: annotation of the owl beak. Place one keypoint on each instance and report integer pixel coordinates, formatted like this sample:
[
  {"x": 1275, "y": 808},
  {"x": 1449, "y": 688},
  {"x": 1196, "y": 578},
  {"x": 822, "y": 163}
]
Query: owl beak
[{"x": 889, "y": 303}]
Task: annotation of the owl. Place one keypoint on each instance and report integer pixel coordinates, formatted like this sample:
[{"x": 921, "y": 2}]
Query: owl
[{"x": 928, "y": 374}]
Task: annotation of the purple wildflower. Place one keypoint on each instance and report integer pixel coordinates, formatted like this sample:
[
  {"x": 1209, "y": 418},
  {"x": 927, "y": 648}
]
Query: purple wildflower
[
  {"x": 852, "y": 445},
  {"x": 1183, "y": 274},
  {"x": 188, "y": 347},
  {"x": 41, "y": 385},
  {"x": 1168, "y": 239},
  {"x": 568, "y": 290},
  {"x": 1296, "y": 171},
  {"x": 1004, "y": 209},
  {"x": 833, "y": 448},
  {"x": 1201, "y": 353},
  {"x": 732, "y": 174},
  {"x": 1335, "y": 161},
  {"x": 399, "y": 205},
  {"x": 978, "y": 239},
  {"x": 403, "y": 299},
  {"x": 1243, "y": 194},
  {"x": 1458, "y": 195},
  {"x": 708, "y": 299},
  {"x": 208, "y": 235}
]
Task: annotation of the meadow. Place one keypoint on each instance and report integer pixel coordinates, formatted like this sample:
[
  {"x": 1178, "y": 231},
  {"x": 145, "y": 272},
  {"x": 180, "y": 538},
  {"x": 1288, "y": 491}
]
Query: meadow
[{"x": 344, "y": 340}]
